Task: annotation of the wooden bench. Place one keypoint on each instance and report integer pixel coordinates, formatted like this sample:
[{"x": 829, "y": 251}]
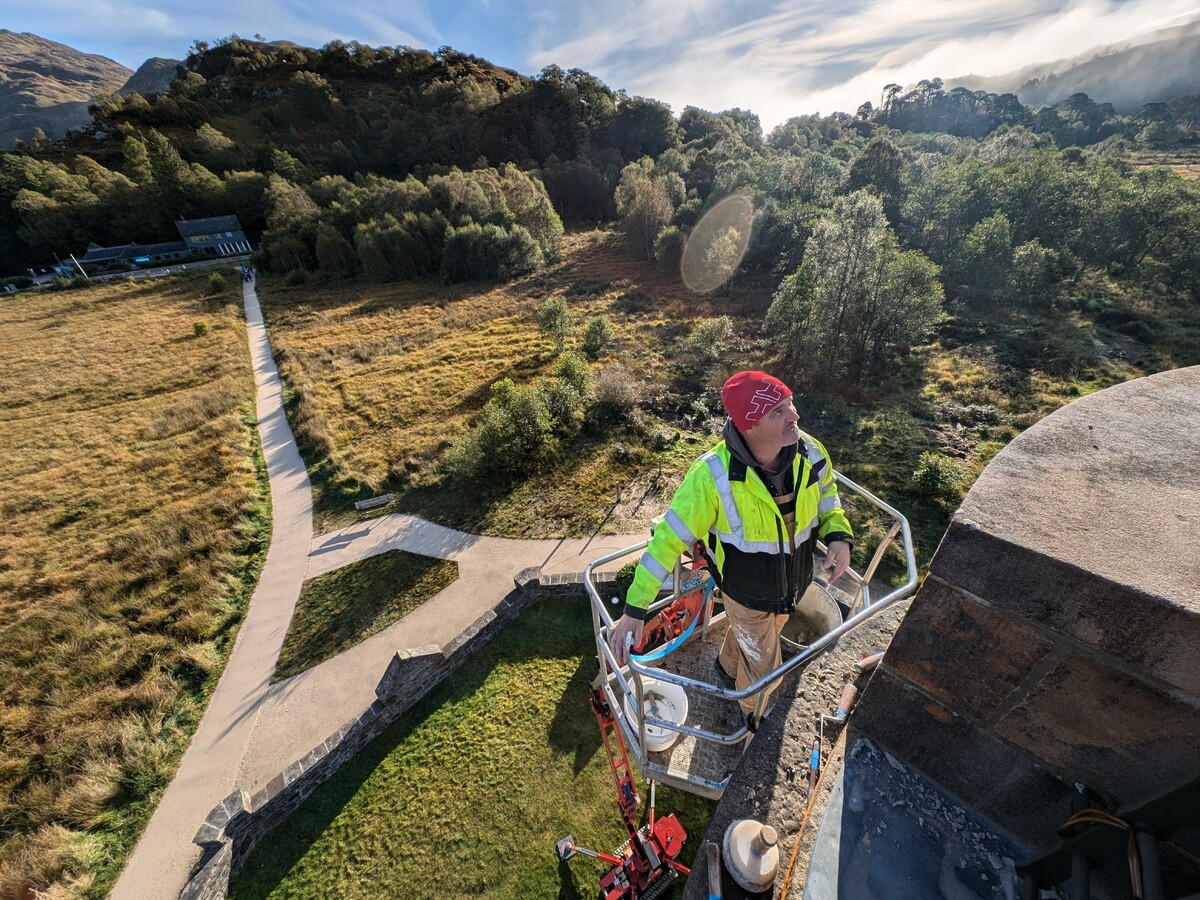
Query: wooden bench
[{"x": 364, "y": 505}]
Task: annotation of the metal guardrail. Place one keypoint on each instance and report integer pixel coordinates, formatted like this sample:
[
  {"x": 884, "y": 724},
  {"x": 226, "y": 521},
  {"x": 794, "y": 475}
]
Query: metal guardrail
[{"x": 862, "y": 607}]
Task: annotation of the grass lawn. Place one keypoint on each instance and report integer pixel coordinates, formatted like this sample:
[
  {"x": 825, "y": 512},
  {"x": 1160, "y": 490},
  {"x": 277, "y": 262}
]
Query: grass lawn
[
  {"x": 341, "y": 608},
  {"x": 466, "y": 794},
  {"x": 133, "y": 522}
]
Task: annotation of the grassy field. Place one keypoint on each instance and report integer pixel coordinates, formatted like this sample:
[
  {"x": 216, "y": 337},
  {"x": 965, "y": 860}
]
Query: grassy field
[
  {"x": 341, "y": 608},
  {"x": 383, "y": 377},
  {"x": 467, "y": 793},
  {"x": 133, "y": 522}
]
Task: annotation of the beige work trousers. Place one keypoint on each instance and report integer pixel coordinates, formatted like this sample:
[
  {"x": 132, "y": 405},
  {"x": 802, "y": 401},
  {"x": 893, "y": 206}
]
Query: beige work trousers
[{"x": 751, "y": 648}]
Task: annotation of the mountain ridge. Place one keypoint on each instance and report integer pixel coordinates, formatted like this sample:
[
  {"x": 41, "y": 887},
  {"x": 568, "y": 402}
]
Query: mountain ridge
[
  {"x": 1156, "y": 66},
  {"x": 48, "y": 85}
]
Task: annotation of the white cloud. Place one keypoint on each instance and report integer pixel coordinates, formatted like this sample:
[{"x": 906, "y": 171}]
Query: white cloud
[{"x": 797, "y": 57}]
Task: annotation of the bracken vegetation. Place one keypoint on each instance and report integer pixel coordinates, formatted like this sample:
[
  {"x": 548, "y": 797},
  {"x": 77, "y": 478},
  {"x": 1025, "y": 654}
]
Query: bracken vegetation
[{"x": 133, "y": 525}]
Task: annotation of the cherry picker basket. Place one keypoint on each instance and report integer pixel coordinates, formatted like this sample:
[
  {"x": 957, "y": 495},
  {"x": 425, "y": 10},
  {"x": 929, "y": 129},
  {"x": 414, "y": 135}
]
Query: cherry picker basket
[{"x": 709, "y": 742}]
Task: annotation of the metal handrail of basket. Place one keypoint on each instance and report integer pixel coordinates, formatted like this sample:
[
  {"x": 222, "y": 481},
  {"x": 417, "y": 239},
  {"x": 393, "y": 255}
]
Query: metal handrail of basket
[{"x": 862, "y": 607}]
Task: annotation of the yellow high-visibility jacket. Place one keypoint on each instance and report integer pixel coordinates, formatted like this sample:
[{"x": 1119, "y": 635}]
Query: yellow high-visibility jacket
[{"x": 725, "y": 505}]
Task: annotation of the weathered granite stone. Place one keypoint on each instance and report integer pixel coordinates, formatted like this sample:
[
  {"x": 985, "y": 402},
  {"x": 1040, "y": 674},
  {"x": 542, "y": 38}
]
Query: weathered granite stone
[
  {"x": 961, "y": 652},
  {"x": 1092, "y": 723}
]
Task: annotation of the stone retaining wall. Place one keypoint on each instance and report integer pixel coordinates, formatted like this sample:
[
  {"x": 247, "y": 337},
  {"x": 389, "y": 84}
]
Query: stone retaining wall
[
  {"x": 1055, "y": 639},
  {"x": 236, "y": 825}
]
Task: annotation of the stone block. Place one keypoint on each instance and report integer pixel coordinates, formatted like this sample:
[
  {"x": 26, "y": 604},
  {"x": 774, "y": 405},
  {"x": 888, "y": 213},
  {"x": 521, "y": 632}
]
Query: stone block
[
  {"x": 527, "y": 577},
  {"x": 1001, "y": 782},
  {"x": 962, "y": 653},
  {"x": 1150, "y": 633},
  {"x": 218, "y": 817},
  {"x": 1116, "y": 733},
  {"x": 207, "y": 834}
]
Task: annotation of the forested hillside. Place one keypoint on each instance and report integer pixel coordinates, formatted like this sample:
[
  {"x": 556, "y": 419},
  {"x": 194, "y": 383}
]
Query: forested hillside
[{"x": 359, "y": 131}]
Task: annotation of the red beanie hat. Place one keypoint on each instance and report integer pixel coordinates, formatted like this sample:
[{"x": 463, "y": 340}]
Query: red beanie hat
[{"x": 748, "y": 396}]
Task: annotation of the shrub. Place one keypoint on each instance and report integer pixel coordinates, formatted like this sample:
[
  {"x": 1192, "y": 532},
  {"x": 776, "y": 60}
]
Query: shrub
[
  {"x": 565, "y": 406},
  {"x": 616, "y": 395},
  {"x": 296, "y": 277},
  {"x": 216, "y": 284},
  {"x": 710, "y": 337},
  {"x": 509, "y": 438},
  {"x": 78, "y": 281},
  {"x": 555, "y": 321},
  {"x": 60, "y": 283},
  {"x": 688, "y": 213},
  {"x": 938, "y": 477},
  {"x": 200, "y": 328},
  {"x": 623, "y": 579},
  {"x": 488, "y": 252},
  {"x": 574, "y": 370},
  {"x": 598, "y": 336},
  {"x": 668, "y": 247}
]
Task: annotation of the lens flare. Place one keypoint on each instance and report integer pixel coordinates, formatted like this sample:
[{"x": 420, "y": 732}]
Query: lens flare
[{"x": 717, "y": 244}]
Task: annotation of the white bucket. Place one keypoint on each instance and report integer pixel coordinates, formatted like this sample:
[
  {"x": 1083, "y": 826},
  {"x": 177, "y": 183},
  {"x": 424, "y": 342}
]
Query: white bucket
[
  {"x": 815, "y": 615},
  {"x": 660, "y": 700}
]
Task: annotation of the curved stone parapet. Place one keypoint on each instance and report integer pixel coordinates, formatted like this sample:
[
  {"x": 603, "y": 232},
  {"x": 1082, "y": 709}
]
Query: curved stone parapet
[{"x": 1057, "y": 637}]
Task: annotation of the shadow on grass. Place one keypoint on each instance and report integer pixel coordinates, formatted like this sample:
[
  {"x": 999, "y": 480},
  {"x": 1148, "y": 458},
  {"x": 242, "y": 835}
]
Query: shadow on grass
[
  {"x": 573, "y": 727},
  {"x": 553, "y": 629}
]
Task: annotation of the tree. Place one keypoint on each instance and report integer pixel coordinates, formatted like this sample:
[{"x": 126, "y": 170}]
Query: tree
[
  {"x": 787, "y": 323},
  {"x": 556, "y": 321},
  {"x": 334, "y": 252},
  {"x": 598, "y": 336},
  {"x": 878, "y": 169},
  {"x": 1034, "y": 273},
  {"x": 648, "y": 213},
  {"x": 721, "y": 256},
  {"x": 856, "y": 300},
  {"x": 986, "y": 253},
  {"x": 847, "y": 252}
]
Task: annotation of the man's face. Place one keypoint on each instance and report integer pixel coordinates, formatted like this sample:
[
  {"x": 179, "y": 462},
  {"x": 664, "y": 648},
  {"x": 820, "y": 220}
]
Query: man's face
[{"x": 778, "y": 428}]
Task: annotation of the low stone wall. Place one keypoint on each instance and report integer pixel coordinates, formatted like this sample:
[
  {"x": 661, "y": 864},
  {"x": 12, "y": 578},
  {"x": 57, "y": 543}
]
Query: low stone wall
[
  {"x": 235, "y": 826},
  {"x": 1055, "y": 639}
]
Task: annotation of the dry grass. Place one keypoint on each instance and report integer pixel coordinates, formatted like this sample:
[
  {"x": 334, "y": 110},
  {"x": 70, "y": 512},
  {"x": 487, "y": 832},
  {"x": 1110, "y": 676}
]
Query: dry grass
[
  {"x": 384, "y": 377},
  {"x": 130, "y": 525}
]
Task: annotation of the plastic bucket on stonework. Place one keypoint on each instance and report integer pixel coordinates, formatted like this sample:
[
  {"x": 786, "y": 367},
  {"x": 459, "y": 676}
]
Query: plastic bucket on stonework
[
  {"x": 815, "y": 615},
  {"x": 660, "y": 700}
]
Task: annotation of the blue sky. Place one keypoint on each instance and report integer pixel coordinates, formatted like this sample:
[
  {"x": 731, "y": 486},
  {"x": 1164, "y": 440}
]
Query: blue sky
[{"x": 776, "y": 57}]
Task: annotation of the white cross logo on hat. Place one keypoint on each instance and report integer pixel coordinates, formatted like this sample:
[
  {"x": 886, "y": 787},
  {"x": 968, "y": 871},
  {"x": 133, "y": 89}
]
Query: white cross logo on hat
[{"x": 762, "y": 401}]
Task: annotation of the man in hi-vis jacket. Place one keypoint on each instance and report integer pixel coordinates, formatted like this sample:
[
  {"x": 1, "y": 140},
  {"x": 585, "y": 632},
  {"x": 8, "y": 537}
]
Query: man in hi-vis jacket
[{"x": 758, "y": 501}]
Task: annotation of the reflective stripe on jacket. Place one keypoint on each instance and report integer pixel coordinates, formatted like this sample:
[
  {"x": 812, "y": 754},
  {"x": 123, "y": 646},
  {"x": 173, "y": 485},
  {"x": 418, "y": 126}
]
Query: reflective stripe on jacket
[{"x": 725, "y": 505}]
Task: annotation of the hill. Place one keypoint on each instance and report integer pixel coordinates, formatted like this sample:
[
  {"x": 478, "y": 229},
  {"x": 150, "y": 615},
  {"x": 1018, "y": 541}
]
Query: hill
[
  {"x": 47, "y": 85},
  {"x": 1154, "y": 67},
  {"x": 152, "y": 77}
]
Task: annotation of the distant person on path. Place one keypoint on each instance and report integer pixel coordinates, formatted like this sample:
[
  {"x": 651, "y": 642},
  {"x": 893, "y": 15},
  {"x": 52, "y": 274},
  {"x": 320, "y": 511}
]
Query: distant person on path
[{"x": 758, "y": 501}]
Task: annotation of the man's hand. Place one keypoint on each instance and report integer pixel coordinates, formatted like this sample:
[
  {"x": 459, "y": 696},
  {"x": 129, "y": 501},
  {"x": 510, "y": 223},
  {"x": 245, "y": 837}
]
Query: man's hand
[
  {"x": 624, "y": 627},
  {"x": 837, "y": 560}
]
